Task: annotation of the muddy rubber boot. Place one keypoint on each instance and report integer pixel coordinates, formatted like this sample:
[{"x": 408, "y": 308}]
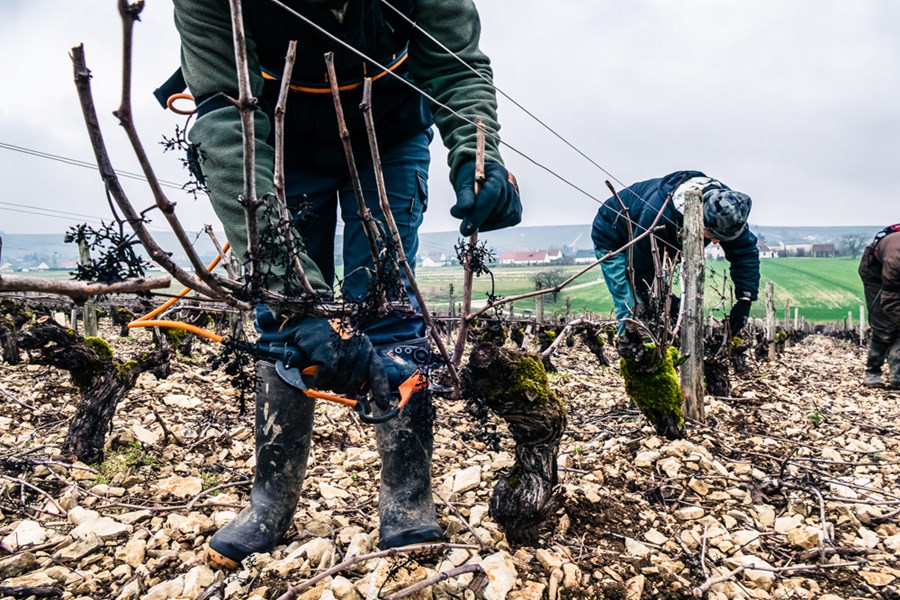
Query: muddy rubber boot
[
  {"x": 872, "y": 380},
  {"x": 284, "y": 418},
  {"x": 893, "y": 364},
  {"x": 405, "y": 505}
]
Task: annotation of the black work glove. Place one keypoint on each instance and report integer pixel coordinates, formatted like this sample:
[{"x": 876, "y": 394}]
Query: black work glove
[
  {"x": 496, "y": 206},
  {"x": 737, "y": 320},
  {"x": 347, "y": 366}
]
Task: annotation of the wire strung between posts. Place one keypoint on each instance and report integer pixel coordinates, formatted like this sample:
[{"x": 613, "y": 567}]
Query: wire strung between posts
[
  {"x": 540, "y": 121},
  {"x": 466, "y": 119},
  {"x": 425, "y": 94},
  {"x": 493, "y": 135},
  {"x": 84, "y": 164},
  {"x": 490, "y": 82}
]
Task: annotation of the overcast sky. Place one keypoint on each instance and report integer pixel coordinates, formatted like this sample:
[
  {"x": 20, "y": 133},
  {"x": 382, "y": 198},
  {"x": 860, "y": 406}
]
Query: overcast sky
[{"x": 796, "y": 102}]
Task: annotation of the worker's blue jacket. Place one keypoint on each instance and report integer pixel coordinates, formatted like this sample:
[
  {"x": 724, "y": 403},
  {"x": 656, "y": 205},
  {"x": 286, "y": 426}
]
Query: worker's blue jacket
[{"x": 643, "y": 201}]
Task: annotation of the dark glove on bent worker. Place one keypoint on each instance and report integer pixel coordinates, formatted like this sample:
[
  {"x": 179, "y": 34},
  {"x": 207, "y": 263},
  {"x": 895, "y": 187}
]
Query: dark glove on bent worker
[
  {"x": 496, "y": 206},
  {"x": 737, "y": 320},
  {"x": 347, "y": 366}
]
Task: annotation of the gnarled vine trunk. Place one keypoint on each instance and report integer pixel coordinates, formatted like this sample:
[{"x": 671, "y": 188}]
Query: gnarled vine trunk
[
  {"x": 514, "y": 385},
  {"x": 102, "y": 379},
  {"x": 652, "y": 383}
]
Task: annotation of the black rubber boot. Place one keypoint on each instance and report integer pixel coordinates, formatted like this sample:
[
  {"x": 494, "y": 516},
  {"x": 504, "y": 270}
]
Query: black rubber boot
[
  {"x": 284, "y": 418},
  {"x": 405, "y": 505},
  {"x": 878, "y": 351}
]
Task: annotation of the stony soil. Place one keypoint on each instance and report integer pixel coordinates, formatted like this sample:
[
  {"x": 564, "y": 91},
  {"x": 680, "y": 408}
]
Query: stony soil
[{"x": 789, "y": 491}]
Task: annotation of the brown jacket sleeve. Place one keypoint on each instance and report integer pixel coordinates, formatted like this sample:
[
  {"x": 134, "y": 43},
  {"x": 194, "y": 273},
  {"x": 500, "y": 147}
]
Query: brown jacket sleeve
[{"x": 888, "y": 251}]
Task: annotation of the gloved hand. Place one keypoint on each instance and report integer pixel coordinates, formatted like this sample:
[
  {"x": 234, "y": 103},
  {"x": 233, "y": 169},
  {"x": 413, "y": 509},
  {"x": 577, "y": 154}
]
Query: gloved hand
[
  {"x": 496, "y": 206},
  {"x": 737, "y": 320},
  {"x": 347, "y": 366}
]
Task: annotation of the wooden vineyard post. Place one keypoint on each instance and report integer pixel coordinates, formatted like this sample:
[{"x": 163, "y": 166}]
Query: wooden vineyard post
[
  {"x": 862, "y": 324},
  {"x": 770, "y": 318},
  {"x": 787, "y": 323},
  {"x": 88, "y": 312},
  {"x": 796, "y": 317},
  {"x": 539, "y": 309},
  {"x": 692, "y": 305},
  {"x": 451, "y": 314}
]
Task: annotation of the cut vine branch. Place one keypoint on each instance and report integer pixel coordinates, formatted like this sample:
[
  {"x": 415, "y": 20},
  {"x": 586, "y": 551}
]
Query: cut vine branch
[
  {"x": 284, "y": 218},
  {"x": 130, "y": 12},
  {"x": 366, "y": 107},
  {"x": 81, "y": 290},
  {"x": 161, "y": 257},
  {"x": 469, "y": 254}
]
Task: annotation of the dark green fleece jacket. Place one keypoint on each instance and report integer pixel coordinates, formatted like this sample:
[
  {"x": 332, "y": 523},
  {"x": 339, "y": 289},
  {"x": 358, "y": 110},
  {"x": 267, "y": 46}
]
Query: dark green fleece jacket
[{"x": 208, "y": 64}]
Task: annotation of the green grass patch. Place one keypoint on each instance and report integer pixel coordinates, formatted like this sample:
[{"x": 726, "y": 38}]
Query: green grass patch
[{"x": 824, "y": 289}]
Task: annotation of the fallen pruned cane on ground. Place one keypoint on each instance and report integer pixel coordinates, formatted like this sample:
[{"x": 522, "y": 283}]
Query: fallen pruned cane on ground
[
  {"x": 295, "y": 591},
  {"x": 730, "y": 576}
]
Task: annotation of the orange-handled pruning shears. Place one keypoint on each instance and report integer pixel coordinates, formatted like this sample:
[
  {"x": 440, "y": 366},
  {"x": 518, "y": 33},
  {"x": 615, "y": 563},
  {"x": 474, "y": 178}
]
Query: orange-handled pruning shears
[
  {"x": 294, "y": 377},
  {"x": 416, "y": 382}
]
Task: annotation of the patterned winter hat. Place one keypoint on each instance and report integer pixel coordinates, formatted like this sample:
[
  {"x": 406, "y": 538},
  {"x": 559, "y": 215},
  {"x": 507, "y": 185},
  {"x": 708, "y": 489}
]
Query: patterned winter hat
[{"x": 725, "y": 213}]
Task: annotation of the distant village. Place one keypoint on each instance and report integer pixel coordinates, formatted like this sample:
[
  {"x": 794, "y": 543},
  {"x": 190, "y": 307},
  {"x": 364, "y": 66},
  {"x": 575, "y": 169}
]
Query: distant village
[
  {"x": 565, "y": 255},
  {"x": 570, "y": 256}
]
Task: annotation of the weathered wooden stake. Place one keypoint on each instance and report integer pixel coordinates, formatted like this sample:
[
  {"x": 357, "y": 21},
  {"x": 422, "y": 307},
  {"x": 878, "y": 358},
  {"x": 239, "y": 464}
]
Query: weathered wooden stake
[
  {"x": 770, "y": 318},
  {"x": 451, "y": 312},
  {"x": 88, "y": 312},
  {"x": 539, "y": 309},
  {"x": 692, "y": 307},
  {"x": 862, "y": 324},
  {"x": 796, "y": 317}
]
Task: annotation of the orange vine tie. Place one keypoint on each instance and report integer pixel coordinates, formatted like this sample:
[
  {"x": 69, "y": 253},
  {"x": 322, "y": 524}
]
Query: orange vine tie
[
  {"x": 170, "y": 104},
  {"x": 179, "y": 325}
]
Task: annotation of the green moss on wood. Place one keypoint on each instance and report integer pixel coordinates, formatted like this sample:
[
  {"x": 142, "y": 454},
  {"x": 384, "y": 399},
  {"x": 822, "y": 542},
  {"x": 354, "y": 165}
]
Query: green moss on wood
[
  {"x": 655, "y": 392},
  {"x": 123, "y": 369},
  {"x": 174, "y": 336},
  {"x": 100, "y": 346}
]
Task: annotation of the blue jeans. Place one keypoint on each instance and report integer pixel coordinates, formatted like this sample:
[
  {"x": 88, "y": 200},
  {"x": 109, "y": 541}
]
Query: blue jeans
[
  {"x": 615, "y": 274},
  {"x": 315, "y": 197}
]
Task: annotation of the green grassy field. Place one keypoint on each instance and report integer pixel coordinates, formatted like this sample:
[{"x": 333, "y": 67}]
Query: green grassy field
[{"x": 824, "y": 289}]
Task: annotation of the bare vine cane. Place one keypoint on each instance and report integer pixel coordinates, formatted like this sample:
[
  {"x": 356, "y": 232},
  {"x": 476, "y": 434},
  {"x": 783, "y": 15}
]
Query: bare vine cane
[
  {"x": 507, "y": 299},
  {"x": 294, "y": 591},
  {"x": 365, "y": 215},
  {"x": 366, "y": 108},
  {"x": 104, "y": 164},
  {"x": 468, "y": 271},
  {"x": 130, "y": 12},
  {"x": 246, "y": 105},
  {"x": 284, "y": 218},
  {"x": 220, "y": 250}
]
